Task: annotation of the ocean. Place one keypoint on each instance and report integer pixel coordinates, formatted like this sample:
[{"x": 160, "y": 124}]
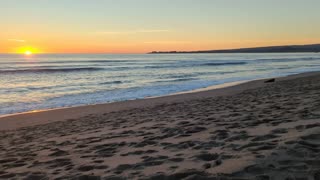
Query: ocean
[{"x": 47, "y": 81}]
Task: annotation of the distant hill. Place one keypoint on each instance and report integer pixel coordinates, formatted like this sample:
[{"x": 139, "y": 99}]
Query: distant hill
[{"x": 268, "y": 49}]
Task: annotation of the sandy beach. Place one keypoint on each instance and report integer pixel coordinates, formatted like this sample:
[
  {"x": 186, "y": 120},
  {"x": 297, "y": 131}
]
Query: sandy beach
[{"x": 254, "y": 130}]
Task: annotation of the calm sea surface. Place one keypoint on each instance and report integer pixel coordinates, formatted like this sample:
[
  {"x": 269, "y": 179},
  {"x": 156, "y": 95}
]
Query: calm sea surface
[{"x": 52, "y": 81}]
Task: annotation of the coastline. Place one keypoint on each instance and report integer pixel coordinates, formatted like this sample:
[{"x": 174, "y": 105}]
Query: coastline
[
  {"x": 253, "y": 130},
  {"x": 38, "y": 117}
]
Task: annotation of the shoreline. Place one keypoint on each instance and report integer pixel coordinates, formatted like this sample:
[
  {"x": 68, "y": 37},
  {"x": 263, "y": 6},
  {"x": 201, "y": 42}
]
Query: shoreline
[
  {"x": 219, "y": 86},
  {"x": 37, "y": 117}
]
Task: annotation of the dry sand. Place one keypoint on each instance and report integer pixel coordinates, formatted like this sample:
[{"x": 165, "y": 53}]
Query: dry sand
[{"x": 254, "y": 130}]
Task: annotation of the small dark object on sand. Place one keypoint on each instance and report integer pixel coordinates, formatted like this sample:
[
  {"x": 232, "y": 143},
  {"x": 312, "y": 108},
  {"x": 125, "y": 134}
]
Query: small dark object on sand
[
  {"x": 270, "y": 80},
  {"x": 88, "y": 177}
]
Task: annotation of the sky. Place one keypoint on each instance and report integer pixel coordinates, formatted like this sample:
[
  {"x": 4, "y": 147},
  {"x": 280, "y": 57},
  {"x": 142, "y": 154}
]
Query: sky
[{"x": 139, "y": 26}]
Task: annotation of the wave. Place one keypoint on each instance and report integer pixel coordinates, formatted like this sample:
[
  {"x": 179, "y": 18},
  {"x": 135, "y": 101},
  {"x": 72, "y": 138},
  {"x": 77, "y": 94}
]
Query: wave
[
  {"x": 53, "y": 69},
  {"x": 288, "y": 59},
  {"x": 177, "y": 80},
  {"x": 224, "y": 64},
  {"x": 65, "y": 61},
  {"x": 176, "y": 76},
  {"x": 197, "y": 64},
  {"x": 42, "y": 70},
  {"x": 113, "y": 82}
]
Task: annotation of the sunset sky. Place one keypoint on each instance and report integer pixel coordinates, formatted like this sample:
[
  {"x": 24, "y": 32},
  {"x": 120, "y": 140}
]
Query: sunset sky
[{"x": 139, "y": 26}]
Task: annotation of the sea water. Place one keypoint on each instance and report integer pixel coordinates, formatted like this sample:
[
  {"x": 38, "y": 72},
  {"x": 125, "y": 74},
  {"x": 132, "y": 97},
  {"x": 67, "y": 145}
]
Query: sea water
[{"x": 49, "y": 81}]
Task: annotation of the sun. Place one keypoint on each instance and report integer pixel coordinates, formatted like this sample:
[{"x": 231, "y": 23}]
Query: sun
[{"x": 28, "y": 52}]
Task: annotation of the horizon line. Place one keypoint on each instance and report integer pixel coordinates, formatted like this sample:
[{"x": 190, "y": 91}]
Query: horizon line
[{"x": 39, "y": 53}]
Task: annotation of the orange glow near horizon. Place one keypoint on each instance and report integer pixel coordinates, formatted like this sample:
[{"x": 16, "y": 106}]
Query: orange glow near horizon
[
  {"x": 141, "y": 47},
  {"x": 40, "y": 43},
  {"x": 86, "y": 45}
]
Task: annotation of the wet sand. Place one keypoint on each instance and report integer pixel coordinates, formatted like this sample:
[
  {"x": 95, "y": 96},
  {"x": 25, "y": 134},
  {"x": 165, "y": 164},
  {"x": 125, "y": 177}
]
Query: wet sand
[{"x": 254, "y": 130}]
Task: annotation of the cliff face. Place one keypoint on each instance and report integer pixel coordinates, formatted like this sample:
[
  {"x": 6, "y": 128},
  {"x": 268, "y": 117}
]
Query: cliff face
[{"x": 269, "y": 49}]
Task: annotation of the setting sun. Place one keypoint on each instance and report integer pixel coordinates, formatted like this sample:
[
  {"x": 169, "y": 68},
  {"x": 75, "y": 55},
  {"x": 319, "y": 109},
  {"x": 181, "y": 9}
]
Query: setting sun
[{"x": 27, "y": 52}]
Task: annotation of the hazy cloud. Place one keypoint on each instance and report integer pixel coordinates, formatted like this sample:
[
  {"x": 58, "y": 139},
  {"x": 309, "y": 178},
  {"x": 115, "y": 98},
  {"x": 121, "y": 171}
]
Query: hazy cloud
[
  {"x": 17, "y": 40},
  {"x": 167, "y": 42},
  {"x": 134, "y": 31},
  {"x": 152, "y": 30}
]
